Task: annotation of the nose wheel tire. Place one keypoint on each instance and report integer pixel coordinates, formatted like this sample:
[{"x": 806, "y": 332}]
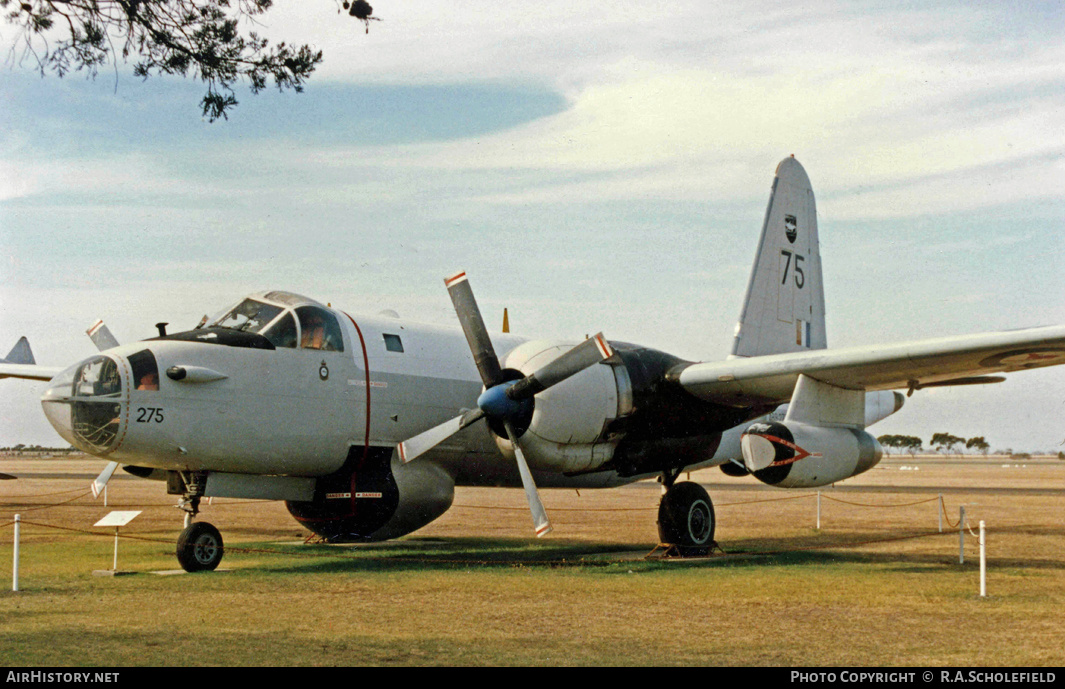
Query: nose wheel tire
[
  {"x": 686, "y": 518},
  {"x": 199, "y": 547}
]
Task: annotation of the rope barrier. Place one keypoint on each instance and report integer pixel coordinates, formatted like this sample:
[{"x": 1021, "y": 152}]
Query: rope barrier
[
  {"x": 45, "y": 495},
  {"x": 56, "y": 504},
  {"x": 234, "y": 549},
  {"x": 751, "y": 502},
  {"x": 863, "y": 504},
  {"x": 483, "y": 561},
  {"x": 943, "y": 507},
  {"x": 830, "y": 546},
  {"x": 331, "y": 555},
  {"x": 525, "y": 508}
]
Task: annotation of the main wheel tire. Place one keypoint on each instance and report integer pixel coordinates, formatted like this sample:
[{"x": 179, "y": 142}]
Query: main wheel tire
[
  {"x": 686, "y": 518},
  {"x": 199, "y": 547}
]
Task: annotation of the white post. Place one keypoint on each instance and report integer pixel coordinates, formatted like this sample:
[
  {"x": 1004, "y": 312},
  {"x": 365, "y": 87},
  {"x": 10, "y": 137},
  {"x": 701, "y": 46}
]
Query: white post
[
  {"x": 105, "y": 495},
  {"x": 14, "y": 566},
  {"x": 961, "y": 535},
  {"x": 983, "y": 562},
  {"x": 114, "y": 567},
  {"x": 818, "y": 510},
  {"x": 940, "y": 509}
]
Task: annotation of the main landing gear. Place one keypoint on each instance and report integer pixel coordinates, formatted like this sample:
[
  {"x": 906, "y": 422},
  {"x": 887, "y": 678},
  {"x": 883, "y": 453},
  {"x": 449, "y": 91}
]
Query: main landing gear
[
  {"x": 686, "y": 516},
  {"x": 199, "y": 546}
]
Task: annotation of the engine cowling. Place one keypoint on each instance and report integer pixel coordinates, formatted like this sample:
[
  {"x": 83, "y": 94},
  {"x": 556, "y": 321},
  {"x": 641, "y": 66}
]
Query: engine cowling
[
  {"x": 568, "y": 428},
  {"x": 798, "y": 455}
]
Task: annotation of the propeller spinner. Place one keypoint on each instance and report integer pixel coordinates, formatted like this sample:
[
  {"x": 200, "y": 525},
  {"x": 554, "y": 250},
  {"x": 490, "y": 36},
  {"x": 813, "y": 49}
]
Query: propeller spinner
[{"x": 505, "y": 402}]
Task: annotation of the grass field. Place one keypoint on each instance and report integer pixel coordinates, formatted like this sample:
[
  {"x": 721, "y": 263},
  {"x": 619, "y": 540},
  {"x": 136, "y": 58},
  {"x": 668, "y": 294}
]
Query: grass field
[{"x": 876, "y": 585}]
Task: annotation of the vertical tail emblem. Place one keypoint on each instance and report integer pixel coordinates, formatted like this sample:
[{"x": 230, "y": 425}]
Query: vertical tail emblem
[{"x": 791, "y": 228}]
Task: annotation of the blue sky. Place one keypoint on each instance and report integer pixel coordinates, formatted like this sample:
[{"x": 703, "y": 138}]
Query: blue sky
[{"x": 603, "y": 166}]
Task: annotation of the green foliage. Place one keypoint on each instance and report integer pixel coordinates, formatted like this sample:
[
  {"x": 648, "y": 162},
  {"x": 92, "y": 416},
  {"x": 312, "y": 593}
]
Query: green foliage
[
  {"x": 945, "y": 442},
  {"x": 201, "y": 39},
  {"x": 978, "y": 443},
  {"x": 907, "y": 443}
]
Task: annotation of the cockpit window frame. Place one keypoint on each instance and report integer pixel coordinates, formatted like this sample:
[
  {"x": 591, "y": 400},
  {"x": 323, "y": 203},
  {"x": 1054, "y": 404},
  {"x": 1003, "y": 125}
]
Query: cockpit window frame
[
  {"x": 217, "y": 321},
  {"x": 145, "y": 370},
  {"x": 332, "y": 335}
]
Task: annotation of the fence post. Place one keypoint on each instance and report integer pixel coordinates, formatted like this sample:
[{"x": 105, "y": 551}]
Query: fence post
[
  {"x": 961, "y": 535},
  {"x": 983, "y": 562},
  {"x": 940, "y": 513},
  {"x": 14, "y": 565},
  {"x": 818, "y": 510}
]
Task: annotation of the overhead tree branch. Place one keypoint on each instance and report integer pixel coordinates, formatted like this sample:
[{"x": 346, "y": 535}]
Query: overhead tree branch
[{"x": 201, "y": 39}]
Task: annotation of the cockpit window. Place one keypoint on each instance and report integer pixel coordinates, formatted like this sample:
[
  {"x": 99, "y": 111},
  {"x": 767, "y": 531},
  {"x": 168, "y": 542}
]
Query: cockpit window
[
  {"x": 319, "y": 329},
  {"x": 249, "y": 316},
  {"x": 283, "y": 333},
  {"x": 145, "y": 370}
]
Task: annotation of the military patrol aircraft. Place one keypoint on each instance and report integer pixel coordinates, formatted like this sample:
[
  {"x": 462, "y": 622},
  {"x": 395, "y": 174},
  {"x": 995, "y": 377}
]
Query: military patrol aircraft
[{"x": 364, "y": 425}]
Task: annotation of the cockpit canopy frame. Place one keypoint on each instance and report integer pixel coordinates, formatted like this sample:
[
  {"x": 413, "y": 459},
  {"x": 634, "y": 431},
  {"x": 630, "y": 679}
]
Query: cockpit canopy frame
[{"x": 286, "y": 319}]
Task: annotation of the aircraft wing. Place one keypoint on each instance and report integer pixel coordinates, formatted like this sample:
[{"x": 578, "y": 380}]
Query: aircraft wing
[
  {"x": 967, "y": 359},
  {"x": 29, "y": 371}
]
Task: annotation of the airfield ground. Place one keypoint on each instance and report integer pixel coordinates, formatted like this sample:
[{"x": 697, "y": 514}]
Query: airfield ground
[{"x": 876, "y": 585}]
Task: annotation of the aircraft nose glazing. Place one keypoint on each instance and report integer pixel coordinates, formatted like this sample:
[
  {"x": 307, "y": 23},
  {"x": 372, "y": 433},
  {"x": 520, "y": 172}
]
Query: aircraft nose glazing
[{"x": 85, "y": 404}]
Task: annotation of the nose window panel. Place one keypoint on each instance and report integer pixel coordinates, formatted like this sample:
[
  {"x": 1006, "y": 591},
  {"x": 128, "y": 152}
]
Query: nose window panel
[
  {"x": 97, "y": 378},
  {"x": 95, "y": 420},
  {"x": 95, "y": 423},
  {"x": 84, "y": 403}
]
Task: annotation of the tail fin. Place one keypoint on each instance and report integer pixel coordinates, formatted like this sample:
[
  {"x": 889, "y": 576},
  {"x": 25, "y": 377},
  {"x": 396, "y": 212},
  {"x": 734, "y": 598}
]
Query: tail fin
[
  {"x": 785, "y": 306},
  {"x": 20, "y": 353}
]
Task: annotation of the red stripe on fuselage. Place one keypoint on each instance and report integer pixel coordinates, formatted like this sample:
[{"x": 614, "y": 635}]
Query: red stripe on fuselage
[{"x": 366, "y": 439}]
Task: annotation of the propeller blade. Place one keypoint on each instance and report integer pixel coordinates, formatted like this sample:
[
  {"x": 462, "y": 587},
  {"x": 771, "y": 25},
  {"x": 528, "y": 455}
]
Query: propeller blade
[
  {"x": 423, "y": 442},
  {"x": 97, "y": 486},
  {"x": 590, "y": 352},
  {"x": 484, "y": 355},
  {"x": 101, "y": 336},
  {"x": 539, "y": 514}
]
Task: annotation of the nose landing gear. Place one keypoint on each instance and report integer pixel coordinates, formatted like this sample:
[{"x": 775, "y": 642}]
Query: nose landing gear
[{"x": 199, "y": 546}]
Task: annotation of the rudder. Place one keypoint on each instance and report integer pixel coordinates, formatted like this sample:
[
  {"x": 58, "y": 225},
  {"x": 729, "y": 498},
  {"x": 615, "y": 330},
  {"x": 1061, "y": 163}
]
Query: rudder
[{"x": 785, "y": 306}]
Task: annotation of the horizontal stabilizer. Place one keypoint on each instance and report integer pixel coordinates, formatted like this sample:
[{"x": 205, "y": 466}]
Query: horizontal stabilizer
[{"x": 20, "y": 353}]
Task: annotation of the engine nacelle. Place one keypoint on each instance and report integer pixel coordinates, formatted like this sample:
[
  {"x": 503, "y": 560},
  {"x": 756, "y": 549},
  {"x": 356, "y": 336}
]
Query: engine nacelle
[
  {"x": 567, "y": 431},
  {"x": 375, "y": 497},
  {"x": 798, "y": 455}
]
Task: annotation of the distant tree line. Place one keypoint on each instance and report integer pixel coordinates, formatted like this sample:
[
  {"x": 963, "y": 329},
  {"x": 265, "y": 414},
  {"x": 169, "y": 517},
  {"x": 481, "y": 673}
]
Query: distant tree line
[
  {"x": 947, "y": 443},
  {"x": 21, "y": 447}
]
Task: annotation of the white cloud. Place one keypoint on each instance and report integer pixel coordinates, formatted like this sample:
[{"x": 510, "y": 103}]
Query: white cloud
[{"x": 907, "y": 114}]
